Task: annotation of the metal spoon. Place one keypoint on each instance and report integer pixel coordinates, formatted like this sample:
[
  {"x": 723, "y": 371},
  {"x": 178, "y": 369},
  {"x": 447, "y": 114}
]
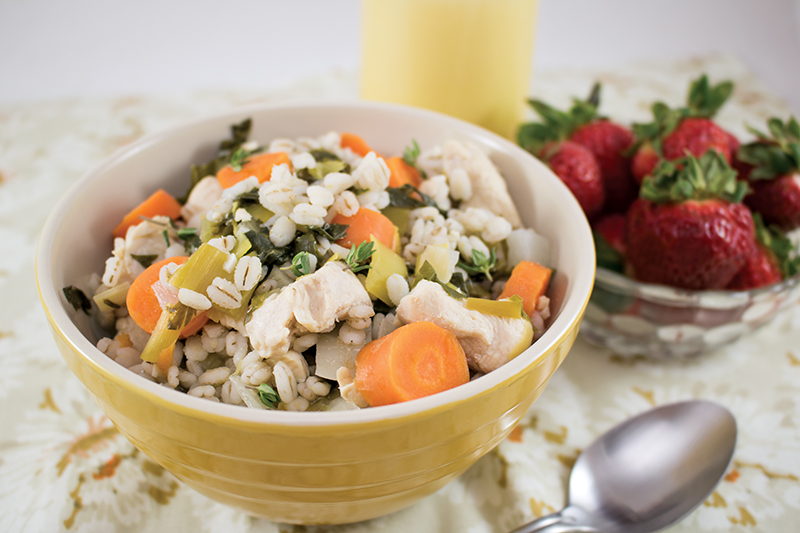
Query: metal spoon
[{"x": 647, "y": 473}]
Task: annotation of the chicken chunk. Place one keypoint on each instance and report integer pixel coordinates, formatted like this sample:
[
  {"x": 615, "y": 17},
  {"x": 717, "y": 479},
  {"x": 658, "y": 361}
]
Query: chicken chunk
[
  {"x": 489, "y": 189},
  {"x": 489, "y": 341},
  {"x": 201, "y": 199},
  {"x": 313, "y": 303}
]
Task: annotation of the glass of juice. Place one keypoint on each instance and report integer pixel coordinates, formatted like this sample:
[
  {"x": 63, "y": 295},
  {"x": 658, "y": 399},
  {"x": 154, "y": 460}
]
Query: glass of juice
[{"x": 467, "y": 58}]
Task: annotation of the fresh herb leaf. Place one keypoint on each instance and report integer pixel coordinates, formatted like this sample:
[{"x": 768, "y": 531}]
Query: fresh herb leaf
[
  {"x": 411, "y": 153},
  {"x": 480, "y": 263},
  {"x": 77, "y": 299},
  {"x": 165, "y": 234},
  {"x": 144, "y": 260},
  {"x": 268, "y": 396},
  {"x": 301, "y": 264},
  {"x": 239, "y": 158},
  {"x": 358, "y": 255}
]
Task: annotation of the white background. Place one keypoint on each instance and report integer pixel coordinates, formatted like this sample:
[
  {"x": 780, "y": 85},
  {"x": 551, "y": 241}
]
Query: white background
[{"x": 68, "y": 48}]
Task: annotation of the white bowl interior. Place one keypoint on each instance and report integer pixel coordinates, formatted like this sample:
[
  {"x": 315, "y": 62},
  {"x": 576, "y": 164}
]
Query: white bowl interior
[{"x": 76, "y": 239}]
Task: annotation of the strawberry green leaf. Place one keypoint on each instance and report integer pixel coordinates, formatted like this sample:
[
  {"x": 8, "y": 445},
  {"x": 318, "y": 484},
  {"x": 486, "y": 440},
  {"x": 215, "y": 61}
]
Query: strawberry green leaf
[
  {"x": 703, "y": 101},
  {"x": 557, "y": 125},
  {"x": 775, "y": 154},
  {"x": 775, "y": 240},
  {"x": 690, "y": 178},
  {"x": 607, "y": 257}
]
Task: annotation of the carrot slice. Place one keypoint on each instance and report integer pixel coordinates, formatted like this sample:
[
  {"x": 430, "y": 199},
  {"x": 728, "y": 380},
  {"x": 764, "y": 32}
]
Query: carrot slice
[
  {"x": 402, "y": 173},
  {"x": 160, "y": 203},
  {"x": 529, "y": 281},
  {"x": 364, "y": 223},
  {"x": 143, "y": 306},
  {"x": 259, "y": 166},
  {"x": 356, "y": 144},
  {"x": 415, "y": 360}
]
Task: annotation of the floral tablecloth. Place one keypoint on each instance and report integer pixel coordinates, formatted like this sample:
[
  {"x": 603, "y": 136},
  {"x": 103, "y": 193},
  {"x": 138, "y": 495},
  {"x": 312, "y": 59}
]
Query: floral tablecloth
[{"x": 64, "y": 467}]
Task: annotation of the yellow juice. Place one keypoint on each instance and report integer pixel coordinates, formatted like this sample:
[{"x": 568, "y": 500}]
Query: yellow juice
[{"x": 467, "y": 58}]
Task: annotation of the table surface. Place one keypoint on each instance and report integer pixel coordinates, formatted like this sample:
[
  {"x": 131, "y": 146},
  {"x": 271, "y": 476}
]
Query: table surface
[
  {"x": 82, "y": 87},
  {"x": 63, "y": 466}
]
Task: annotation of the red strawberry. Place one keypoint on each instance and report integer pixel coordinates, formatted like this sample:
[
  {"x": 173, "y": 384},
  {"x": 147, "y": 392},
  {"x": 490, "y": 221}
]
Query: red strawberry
[
  {"x": 688, "y": 229},
  {"x": 581, "y": 124},
  {"x": 778, "y": 200},
  {"x": 609, "y": 242},
  {"x": 644, "y": 161},
  {"x": 612, "y": 228},
  {"x": 674, "y": 132},
  {"x": 774, "y": 260},
  {"x": 760, "y": 270},
  {"x": 697, "y": 136},
  {"x": 578, "y": 169},
  {"x": 775, "y": 173},
  {"x": 608, "y": 142}
]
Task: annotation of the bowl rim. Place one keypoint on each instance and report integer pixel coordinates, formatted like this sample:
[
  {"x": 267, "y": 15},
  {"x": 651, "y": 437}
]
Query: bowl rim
[
  {"x": 666, "y": 294},
  {"x": 569, "y": 316}
]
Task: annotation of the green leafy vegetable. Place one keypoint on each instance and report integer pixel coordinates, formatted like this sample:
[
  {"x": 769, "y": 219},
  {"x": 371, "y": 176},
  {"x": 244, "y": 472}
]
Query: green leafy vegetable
[
  {"x": 145, "y": 260},
  {"x": 191, "y": 240},
  {"x": 358, "y": 255},
  {"x": 268, "y": 396},
  {"x": 427, "y": 272},
  {"x": 239, "y": 134},
  {"x": 480, "y": 263},
  {"x": 332, "y": 232},
  {"x": 409, "y": 197},
  {"x": 267, "y": 253},
  {"x": 165, "y": 234},
  {"x": 326, "y": 162},
  {"x": 77, "y": 299}
]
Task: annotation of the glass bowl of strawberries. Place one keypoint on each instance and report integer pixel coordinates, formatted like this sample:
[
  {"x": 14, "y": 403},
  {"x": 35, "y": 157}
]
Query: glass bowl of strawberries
[{"x": 707, "y": 249}]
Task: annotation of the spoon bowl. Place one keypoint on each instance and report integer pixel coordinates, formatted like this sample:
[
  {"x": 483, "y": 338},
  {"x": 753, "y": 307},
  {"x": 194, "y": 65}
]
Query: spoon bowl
[{"x": 648, "y": 472}]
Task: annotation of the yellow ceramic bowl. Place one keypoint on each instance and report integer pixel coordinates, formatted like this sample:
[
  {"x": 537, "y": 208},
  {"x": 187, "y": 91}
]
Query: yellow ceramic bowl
[{"x": 316, "y": 467}]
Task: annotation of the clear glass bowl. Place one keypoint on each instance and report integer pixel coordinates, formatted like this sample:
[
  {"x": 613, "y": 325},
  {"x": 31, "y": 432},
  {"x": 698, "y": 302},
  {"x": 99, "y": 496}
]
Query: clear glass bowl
[{"x": 634, "y": 318}]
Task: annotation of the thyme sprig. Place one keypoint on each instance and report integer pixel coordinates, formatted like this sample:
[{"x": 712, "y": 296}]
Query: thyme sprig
[
  {"x": 359, "y": 255},
  {"x": 480, "y": 263}
]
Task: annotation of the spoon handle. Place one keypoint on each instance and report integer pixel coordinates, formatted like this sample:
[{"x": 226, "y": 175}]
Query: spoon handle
[{"x": 561, "y": 522}]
